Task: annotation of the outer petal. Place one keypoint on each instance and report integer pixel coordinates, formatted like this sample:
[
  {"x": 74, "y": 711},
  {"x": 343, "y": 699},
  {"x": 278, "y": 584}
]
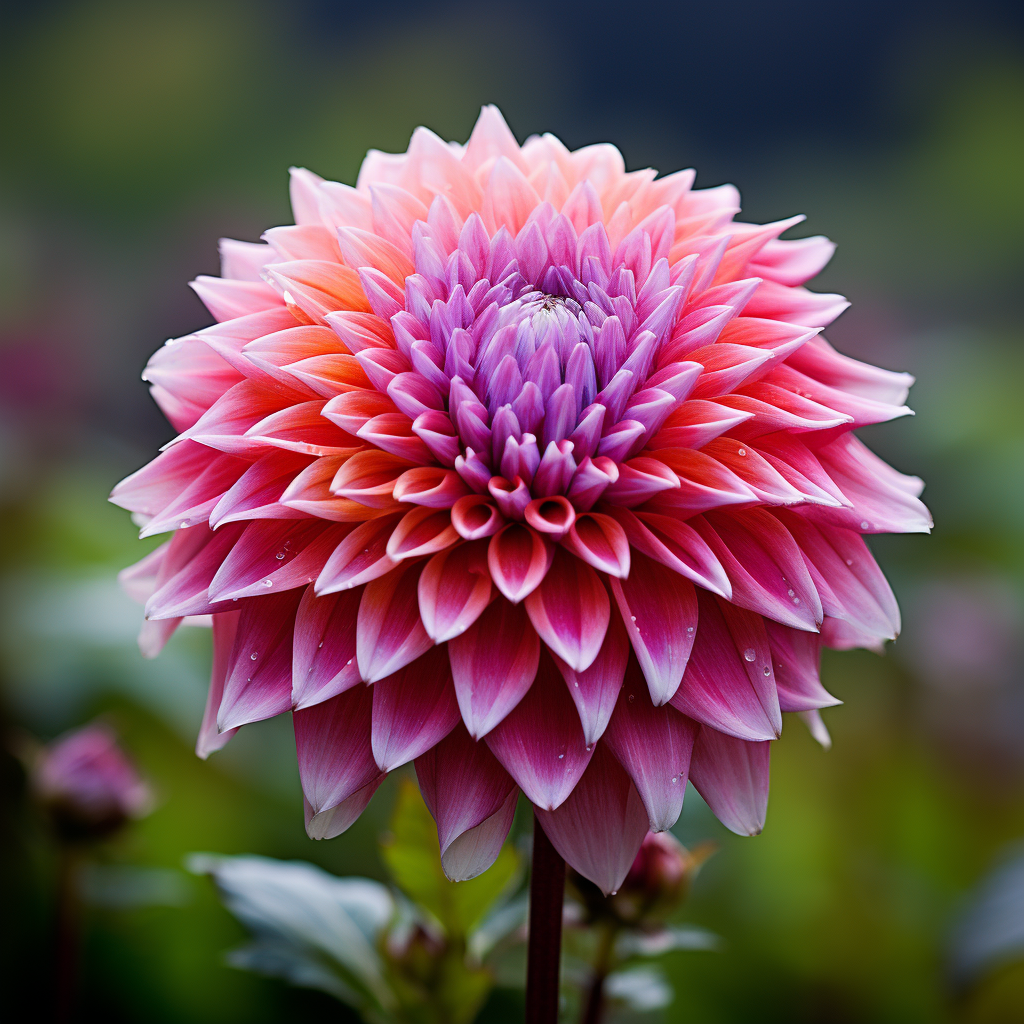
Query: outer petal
[
  {"x": 540, "y": 743},
  {"x": 596, "y": 689},
  {"x": 659, "y": 608},
  {"x": 472, "y": 800},
  {"x": 732, "y": 777},
  {"x": 389, "y": 633},
  {"x": 324, "y": 647},
  {"x": 654, "y": 746},
  {"x": 493, "y": 664},
  {"x": 334, "y": 820},
  {"x": 729, "y": 683},
  {"x": 601, "y": 825},
  {"x": 412, "y": 710},
  {"x": 332, "y": 741},
  {"x": 570, "y": 611},
  {"x": 225, "y": 625},
  {"x": 796, "y": 656},
  {"x": 258, "y": 684}
]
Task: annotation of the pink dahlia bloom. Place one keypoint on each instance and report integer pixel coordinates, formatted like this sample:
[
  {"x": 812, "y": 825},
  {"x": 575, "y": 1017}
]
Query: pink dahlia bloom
[{"x": 528, "y": 469}]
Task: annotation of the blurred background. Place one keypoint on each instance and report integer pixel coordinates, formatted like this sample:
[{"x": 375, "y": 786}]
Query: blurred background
[{"x": 134, "y": 135}]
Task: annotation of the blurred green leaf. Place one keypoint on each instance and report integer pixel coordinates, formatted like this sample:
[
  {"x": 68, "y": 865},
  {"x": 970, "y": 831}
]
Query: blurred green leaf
[{"x": 413, "y": 854}]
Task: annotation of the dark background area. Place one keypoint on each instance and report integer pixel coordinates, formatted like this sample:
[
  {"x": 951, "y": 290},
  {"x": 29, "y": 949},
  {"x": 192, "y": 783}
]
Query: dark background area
[{"x": 134, "y": 135}]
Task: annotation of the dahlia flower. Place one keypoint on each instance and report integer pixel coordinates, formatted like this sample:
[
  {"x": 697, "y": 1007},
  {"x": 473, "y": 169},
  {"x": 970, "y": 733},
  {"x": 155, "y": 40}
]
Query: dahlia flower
[{"x": 532, "y": 471}]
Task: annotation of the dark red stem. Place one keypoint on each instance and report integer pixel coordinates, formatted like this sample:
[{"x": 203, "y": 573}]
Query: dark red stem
[{"x": 547, "y": 892}]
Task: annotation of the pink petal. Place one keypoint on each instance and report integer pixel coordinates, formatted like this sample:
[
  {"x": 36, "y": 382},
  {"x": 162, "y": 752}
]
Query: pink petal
[
  {"x": 389, "y": 634},
  {"x": 337, "y": 819},
  {"x": 601, "y": 825},
  {"x": 225, "y": 626},
  {"x": 494, "y": 662},
  {"x": 518, "y": 558},
  {"x": 362, "y": 556},
  {"x": 570, "y": 610},
  {"x": 653, "y": 745},
  {"x": 472, "y": 800},
  {"x": 423, "y": 531},
  {"x": 732, "y": 777},
  {"x": 659, "y": 608},
  {"x": 324, "y": 646},
  {"x": 601, "y": 542},
  {"x": 595, "y": 690},
  {"x": 729, "y": 683},
  {"x": 332, "y": 741},
  {"x": 796, "y": 657},
  {"x": 413, "y": 709},
  {"x": 476, "y": 516},
  {"x": 454, "y": 589},
  {"x": 258, "y": 683},
  {"x": 540, "y": 742}
]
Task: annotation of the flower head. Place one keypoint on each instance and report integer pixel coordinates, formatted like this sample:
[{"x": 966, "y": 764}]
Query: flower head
[
  {"x": 550, "y": 453},
  {"x": 88, "y": 785}
]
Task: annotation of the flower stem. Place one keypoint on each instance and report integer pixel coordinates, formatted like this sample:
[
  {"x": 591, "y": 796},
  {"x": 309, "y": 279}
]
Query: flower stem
[{"x": 547, "y": 892}]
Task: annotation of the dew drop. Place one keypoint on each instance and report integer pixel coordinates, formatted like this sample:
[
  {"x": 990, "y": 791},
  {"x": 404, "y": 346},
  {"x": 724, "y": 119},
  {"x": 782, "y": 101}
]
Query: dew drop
[
  {"x": 590, "y": 747},
  {"x": 576, "y": 683},
  {"x": 279, "y": 556},
  {"x": 767, "y": 670},
  {"x": 791, "y": 592},
  {"x": 796, "y": 600},
  {"x": 632, "y": 618},
  {"x": 742, "y": 451},
  {"x": 849, "y": 561},
  {"x": 865, "y": 525},
  {"x": 631, "y": 698},
  {"x": 319, "y": 645},
  {"x": 268, "y": 582},
  {"x": 349, "y": 662},
  {"x": 749, "y": 654},
  {"x": 689, "y": 629},
  {"x": 253, "y": 656},
  {"x": 675, "y": 780},
  {"x": 561, "y": 756}
]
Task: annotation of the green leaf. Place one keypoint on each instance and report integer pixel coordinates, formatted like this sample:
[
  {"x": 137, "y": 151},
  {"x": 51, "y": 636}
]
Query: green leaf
[{"x": 413, "y": 855}]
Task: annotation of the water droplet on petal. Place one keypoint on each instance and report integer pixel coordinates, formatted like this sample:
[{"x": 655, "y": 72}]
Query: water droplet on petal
[
  {"x": 849, "y": 561},
  {"x": 767, "y": 670},
  {"x": 749, "y": 654},
  {"x": 631, "y": 698},
  {"x": 742, "y": 451},
  {"x": 253, "y": 656},
  {"x": 865, "y": 525},
  {"x": 560, "y": 756},
  {"x": 796, "y": 600},
  {"x": 279, "y": 556},
  {"x": 319, "y": 645},
  {"x": 689, "y": 629},
  {"x": 791, "y": 592},
  {"x": 268, "y": 582}
]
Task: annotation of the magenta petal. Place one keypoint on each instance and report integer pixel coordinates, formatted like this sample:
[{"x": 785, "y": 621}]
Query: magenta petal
[
  {"x": 332, "y": 741},
  {"x": 570, "y": 610},
  {"x": 454, "y": 588},
  {"x": 186, "y": 592},
  {"x": 413, "y": 709},
  {"x": 258, "y": 683},
  {"x": 540, "y": 743},
  {"x": 601, "y": 825},
  {"x": 518, "y": 558},
  {"x": 659, "y": 608},
  {"x": 334, "y": 820},
  {"x": 324, "y": 646},
  {"x": 389, "y": 633},
  {"x": 472, "y": 799},
  {"x": 362, "y": 556},
  {"x": 729, "y": 682},
  {"x": 225, "y": 625},
  {"x": 654, "y": 746},
  {"x": 596, "y": 689},
  {"x": 493, "y": 664},
  {"x": 732, "y": 777},
  {"x": 796, "y": 657}
]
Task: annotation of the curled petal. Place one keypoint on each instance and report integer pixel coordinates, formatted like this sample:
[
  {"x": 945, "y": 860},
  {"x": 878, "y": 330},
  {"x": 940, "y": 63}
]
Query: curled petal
[
  {"x": 472, "y": 799},
  {"x": 659, "y": 609},
  {"x": 494, "y": 662},
  {"x": 570, "y": 610},
  {"x": 732, "y": 777},
  {"x": 389, "y": 634},
  {"x": 423, "y": 531},
  {"x": 454, "y": 589},
  {"x": 601, "y": 825},
  {"x": 476, "y": 516},
  {"x": 601, "y": 542},
  {"x": 540, "y": 743},
  {"x": 412, "y": 710},
  {"x": 519, "y": 558}
]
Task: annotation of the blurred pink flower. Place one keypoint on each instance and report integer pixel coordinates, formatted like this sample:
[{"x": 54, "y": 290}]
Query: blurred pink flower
[
  {"x": 550, "y": 453},
  {"x": 88, "y": 784}
]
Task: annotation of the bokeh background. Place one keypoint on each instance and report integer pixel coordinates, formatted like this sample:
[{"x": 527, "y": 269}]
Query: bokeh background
[{"x": 134, "y": 135}]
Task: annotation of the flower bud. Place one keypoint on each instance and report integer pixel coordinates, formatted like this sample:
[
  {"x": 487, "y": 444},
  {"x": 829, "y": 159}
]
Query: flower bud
[{"x": 88, "y": 785}]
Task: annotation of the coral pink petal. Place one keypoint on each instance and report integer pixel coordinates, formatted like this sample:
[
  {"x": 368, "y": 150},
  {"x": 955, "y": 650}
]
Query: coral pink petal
[
  {"x": 494, "y": 662},
  {"x": 600, "y": 826},
  {"x": 570, "y": 611},
  {"x": 519, "y": 559},
  {"x": 423, "y": 531},
  {"x": 413, "y": 709},
  {"x": 540, "y": 743},
  {"x": 454, "y": 588},
  {"x": 362, "y": 556},
  {"x": 596, "y": 689},
  {"x": 601, "y": 542},
  {"x": 659, "y": 609},
  {"x": 732, "y": 777},
  {"x": 796, "y": 659},
  {"x": 729, "y": 682},
  {"x": 472, "y": 799},
  {"x": 324, "y": 648},
  {"x": 225, "y": 626},
  {"x": 389, "y": 633}
]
